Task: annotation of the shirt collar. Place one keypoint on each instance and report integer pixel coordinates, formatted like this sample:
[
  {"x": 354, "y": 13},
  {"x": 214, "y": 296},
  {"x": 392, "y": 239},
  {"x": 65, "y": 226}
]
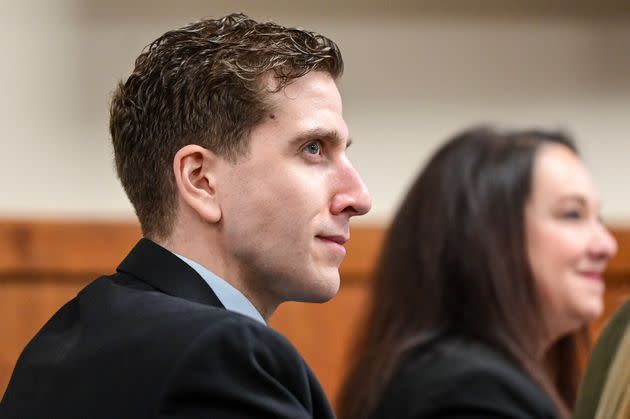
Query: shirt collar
[{"x": 231, "y": 298}]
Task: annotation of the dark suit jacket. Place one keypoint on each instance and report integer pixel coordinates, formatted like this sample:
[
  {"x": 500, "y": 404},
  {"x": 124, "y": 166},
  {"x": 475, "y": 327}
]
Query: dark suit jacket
[
  {"x": 451, "y": 377},
  {"x": 153, "y": 341},
  {"x": 599, "y": 363}
]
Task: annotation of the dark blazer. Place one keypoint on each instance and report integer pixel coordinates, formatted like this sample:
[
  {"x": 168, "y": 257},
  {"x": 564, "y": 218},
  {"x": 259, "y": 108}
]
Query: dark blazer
[
  {"x": 599, "y": 363},
  {"x": 451, "y": 377},
  {"x": 153, "y": 341}
]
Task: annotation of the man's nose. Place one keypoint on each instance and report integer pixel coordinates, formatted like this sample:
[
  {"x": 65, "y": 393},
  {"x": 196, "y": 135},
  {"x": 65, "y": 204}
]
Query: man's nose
[{"x": 352, "y": 196}]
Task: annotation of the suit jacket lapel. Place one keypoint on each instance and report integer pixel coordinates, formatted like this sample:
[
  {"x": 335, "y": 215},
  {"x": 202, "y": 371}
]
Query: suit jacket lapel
[{"x": 158, "y": 267}]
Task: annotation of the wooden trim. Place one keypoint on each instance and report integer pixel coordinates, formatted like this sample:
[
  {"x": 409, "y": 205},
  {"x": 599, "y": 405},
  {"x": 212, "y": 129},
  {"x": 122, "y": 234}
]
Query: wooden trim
[
  {"x": 37, "y": 248},
  {"x": 620, "y": 265},
  {"x": 74, "y": 248},
  {"x": 44, "y": 263}
]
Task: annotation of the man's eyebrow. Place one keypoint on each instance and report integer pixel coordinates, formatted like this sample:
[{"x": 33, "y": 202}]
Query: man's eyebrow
[{"x": 329, "y": 136}]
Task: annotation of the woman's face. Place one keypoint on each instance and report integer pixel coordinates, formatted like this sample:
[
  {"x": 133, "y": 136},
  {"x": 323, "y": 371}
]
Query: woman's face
[{"x": 568, "y": 247}]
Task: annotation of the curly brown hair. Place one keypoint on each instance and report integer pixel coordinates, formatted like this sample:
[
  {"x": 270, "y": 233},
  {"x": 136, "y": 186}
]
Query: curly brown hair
[{"x": 202, "y": 84}]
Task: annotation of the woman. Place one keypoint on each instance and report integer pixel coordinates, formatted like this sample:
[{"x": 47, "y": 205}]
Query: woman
[{"x": 490, "y": 272}]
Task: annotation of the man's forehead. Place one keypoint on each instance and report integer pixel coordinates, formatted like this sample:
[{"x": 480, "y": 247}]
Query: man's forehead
[{"x": 277, "y": 88}]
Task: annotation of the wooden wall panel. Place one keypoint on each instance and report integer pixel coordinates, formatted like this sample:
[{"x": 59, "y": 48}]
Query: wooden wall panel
[
  {"x": 44, "y": 263},
  {"x": 67, "y": 248}
]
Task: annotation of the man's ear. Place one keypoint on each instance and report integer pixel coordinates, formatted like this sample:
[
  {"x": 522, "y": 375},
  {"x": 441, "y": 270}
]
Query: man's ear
[{"x": 195, "y": 177}]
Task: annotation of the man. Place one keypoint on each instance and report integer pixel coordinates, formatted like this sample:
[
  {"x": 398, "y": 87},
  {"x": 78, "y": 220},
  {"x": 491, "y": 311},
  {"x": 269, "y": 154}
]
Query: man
[{"x": 230, "y": 143}]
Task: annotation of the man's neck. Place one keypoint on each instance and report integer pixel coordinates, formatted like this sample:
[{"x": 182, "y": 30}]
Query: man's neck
[{"x": 213, "y": 259}]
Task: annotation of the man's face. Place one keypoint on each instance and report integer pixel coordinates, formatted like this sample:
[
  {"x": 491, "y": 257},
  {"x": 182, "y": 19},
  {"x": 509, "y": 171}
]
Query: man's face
[{"x": 287, "y": 204}]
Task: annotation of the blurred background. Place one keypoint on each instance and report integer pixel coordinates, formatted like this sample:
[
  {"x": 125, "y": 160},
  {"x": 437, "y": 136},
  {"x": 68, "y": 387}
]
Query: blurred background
[{"x": 416, "y": 72}]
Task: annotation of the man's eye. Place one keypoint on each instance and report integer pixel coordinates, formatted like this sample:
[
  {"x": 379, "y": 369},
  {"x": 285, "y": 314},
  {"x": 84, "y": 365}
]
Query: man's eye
[{"x": 314, "y": 148}]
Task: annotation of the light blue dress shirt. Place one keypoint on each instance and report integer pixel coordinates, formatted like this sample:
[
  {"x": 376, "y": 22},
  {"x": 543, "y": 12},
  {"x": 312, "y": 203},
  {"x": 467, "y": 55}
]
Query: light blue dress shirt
[{"x": 231, "y": 298}]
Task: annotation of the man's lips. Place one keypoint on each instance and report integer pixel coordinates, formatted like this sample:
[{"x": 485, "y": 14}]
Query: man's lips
[
  {"x": 341, "y": 240},
  {"x": 334, "y": 243}
]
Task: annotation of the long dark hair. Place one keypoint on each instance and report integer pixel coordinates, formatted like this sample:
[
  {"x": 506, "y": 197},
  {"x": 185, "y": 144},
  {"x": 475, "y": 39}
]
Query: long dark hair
[{"x": 458, "y": 239}]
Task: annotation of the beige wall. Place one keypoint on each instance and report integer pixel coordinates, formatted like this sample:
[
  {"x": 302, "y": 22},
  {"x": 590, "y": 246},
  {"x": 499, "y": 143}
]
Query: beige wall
[{"x": 416, "y": 71}]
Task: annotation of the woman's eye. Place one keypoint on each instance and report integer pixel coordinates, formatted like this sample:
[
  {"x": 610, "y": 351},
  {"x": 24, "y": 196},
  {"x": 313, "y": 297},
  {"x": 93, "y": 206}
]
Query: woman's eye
[
  {"x": 314, "y": 148},
  {"x": 572, "y": 215}
]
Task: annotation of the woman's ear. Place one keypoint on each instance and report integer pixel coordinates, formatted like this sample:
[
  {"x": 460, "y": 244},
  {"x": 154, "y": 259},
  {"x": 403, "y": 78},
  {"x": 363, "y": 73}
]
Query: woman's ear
[{"x": 195, "y": 178}]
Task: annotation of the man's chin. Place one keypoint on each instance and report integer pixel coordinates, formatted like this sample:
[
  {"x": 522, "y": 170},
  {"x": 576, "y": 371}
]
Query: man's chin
[
  {"x": 321, "y": 298},
  {"x": 322, "y": 292}
]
